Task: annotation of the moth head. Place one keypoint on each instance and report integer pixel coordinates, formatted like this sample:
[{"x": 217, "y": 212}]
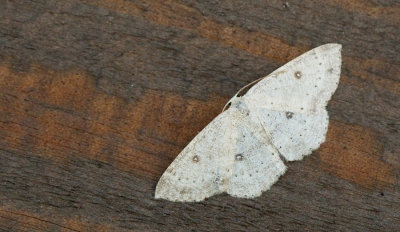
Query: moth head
[{"x": 232, "y": 102}]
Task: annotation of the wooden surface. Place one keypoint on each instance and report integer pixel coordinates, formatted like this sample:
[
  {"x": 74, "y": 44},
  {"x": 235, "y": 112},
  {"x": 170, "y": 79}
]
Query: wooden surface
[{"x": 97, "y": 97}]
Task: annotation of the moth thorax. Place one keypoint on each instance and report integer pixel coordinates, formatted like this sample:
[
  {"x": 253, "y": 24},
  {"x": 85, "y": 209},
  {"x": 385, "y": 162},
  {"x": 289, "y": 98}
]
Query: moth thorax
[{"x": 239, "y": 104}]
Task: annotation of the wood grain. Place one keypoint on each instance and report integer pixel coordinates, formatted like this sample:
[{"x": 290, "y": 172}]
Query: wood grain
[{"x": 97, "y": 97}]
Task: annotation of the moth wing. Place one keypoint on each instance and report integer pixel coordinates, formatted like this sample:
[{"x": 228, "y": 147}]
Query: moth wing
[
  {"x": 295, "y": 135},
  {"x": 231, "y": 155},
  {"x": 257, "y": 163},
  {"x": 303, "y": 85},
  {"x": 290, "y": 102},
  {"x": 203, "y": 168}
]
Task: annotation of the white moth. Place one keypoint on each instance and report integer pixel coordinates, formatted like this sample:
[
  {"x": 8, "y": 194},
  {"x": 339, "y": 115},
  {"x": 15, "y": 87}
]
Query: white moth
[{"x": 242, "y": 151}]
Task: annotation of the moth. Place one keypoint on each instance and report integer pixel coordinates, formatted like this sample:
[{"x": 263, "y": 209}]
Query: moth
[{"x": 243, "y": 151}]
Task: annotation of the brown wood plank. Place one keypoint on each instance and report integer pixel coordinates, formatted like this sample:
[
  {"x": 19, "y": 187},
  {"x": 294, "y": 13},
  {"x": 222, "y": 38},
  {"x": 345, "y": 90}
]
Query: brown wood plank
[{"x": 97, "y": 97}]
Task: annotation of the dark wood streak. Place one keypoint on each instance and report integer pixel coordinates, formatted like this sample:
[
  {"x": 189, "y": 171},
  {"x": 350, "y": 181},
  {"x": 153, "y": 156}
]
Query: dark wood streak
[{"x": 97, "y": 97}]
